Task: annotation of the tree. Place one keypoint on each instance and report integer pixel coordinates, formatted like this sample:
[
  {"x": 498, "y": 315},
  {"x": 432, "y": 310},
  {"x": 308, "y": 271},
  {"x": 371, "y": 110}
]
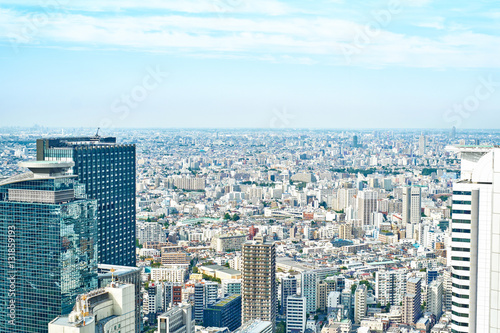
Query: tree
[
  {"x": 235, "y": 217},
  {"x": 195, "y": 270},
  {"x": 227, "y": 216},
  {"x": 137, "y": 244},
  {"x": 281, "y": 327}
]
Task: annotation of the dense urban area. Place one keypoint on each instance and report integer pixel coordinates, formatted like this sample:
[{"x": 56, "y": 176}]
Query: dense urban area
[{"x": 250, "y": 231}]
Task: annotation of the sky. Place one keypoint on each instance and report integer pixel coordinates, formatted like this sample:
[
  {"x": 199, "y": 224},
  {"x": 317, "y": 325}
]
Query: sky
[{"x": 250, "y": 63}]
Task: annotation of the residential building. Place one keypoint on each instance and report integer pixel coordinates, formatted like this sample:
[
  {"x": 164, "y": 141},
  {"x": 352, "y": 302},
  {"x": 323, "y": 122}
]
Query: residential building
[
  {"x": 288, "y": 288},
  {"x": 259, "y": 290},
  {"x": 360, "y": 303}
]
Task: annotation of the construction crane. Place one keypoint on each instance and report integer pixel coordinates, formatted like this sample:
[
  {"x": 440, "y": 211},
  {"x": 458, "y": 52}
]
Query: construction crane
[{"x": 97, "y": 133}]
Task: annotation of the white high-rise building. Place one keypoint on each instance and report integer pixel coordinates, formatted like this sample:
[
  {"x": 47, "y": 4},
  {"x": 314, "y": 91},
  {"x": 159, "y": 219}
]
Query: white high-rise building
[
  {"x": 177, "y": 320},
  {"x": 296, "y": 314},
  {"x": 309, "y": 285},
  {"x": 390, "y": 286},
  {"x": 475, "y": 242},
  {"x": 360, "y": 303},
  {"x": 412, "y": 205},
  {"x": 367, "y": 204},
  {"x": 435, "y": 298}
]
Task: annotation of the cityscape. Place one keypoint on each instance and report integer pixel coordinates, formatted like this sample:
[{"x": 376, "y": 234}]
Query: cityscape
[
  {"x": 249, "y": 166},
  {"x": 289, "y": 231}
]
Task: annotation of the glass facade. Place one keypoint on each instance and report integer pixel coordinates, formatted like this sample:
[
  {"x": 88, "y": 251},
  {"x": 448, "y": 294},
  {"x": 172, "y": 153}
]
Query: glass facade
[
  {"x": 108, "y": 171},
  {"x": 48, "y": 252}
]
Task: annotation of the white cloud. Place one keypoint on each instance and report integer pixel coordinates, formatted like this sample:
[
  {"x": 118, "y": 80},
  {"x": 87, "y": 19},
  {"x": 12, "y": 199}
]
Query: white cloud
[{"x": 279, "y": 39}]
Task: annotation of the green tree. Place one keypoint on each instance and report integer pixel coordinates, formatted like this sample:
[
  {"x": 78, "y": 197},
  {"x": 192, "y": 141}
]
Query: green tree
[
  {"x": 235, "y": 217},
  {"x": 227, "y": 216},
  {"x": 195, "y": 270}
]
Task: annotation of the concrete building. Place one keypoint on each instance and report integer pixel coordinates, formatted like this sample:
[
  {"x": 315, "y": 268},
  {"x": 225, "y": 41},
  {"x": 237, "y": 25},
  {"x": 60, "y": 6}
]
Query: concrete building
[
  {"x": 435, "y": 298},
  {"x": 411, "y": 214},
  {"x": 110, "y": 309},
  {"x": 309, "y": 289},
  {"x": 169, "y": 274},
  {"x": 345, "y": 231},
  {"x": 205, "y": 294},
  {"x": 288, "y": 288},
  {"x": 259, "y": 290},
  {"x": 255, "y": 326},
  {"x": 176, "y": 320},
  {"x": 390, "y": 286},
  {"x": 412, "y": 301},
  {"x": 231, "y": 287},
  {"x": 322, "y": 295},
  {"x": 123, "y": 274},
  {"x": 296, "y": 314},
  {"x": 228, "y": 243},
  {"x": 360, "y": 303},
  {"x": 367, "y": 204}
]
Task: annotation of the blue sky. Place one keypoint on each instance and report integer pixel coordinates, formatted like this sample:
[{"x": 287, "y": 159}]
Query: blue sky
[{"x": 250, "y": 63}]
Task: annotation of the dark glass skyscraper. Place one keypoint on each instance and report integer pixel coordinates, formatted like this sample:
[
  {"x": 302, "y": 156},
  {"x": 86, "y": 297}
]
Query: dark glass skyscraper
[
  {"x": 107, "y": 170},
  {"x": 48, "y": 248}
]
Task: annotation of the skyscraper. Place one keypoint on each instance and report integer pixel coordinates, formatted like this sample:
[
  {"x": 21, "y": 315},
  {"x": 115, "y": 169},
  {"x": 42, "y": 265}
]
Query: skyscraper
[
  {"x": 367, "y": 204},
  {"x": 288, "y": 288},
  {"x": 475, "y": 251},
  {"x": 435, "y": 298},
  {"x": 422, "y": 144},
  {"x": 411, "y": 210},
  {"x": 259, "y": 288},
  {"x": 48, "y": 249},
  {"x": 107, "y": 170}
]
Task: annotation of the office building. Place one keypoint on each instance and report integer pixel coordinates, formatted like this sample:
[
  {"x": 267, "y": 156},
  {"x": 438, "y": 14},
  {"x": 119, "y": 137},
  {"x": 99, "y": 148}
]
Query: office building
[
  {"x": 177, "y": 320},
  {"x": 412, "y": 301},
  {"x": 411, "y": 214},
  {"x": 475, "y": 239},
  {"x": 169, "y": 274},
  {"x": 107, "y": 169},
  {"x": 259, "y": 290},
  {"x": 296, "y": 314},
  {"x": 48, "y": 246},
  {"x": 225, "y": 313},
  {"x": 360, "y": 303},
  {"x": 110, "y": 309},
  {"x": 288, "y": 288}
]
